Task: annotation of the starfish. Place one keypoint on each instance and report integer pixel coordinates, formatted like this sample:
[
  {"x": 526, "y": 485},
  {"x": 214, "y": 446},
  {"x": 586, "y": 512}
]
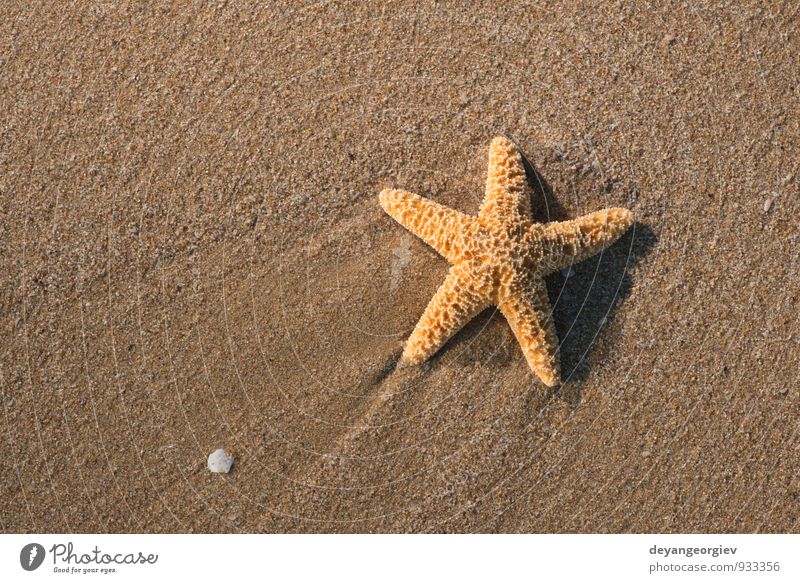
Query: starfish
[{"x": 499, "y": 257}]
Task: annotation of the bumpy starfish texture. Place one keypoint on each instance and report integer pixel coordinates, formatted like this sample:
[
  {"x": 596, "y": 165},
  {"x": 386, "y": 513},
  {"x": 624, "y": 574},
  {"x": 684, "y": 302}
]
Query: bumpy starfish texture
[{"x": 499, "y": 258}]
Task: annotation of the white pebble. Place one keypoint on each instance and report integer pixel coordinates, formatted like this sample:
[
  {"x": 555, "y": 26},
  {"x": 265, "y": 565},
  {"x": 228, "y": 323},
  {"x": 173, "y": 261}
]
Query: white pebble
[
  {"x": 220, "y": 462},
  {"x": 768, "y": 204}
]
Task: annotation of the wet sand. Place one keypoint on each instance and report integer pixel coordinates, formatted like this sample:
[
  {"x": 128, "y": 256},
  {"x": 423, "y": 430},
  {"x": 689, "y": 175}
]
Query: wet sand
[{"x": 193, "y": 257}]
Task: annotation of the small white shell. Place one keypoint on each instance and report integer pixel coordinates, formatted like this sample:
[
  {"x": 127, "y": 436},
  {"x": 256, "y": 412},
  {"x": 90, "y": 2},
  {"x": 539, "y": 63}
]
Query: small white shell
[{"x": 219, "y": 462}]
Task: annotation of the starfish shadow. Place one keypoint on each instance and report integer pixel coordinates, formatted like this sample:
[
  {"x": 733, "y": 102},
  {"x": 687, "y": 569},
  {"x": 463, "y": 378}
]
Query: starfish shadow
[
  {"x": 586, "y": 303},
  {"x": 546, "y": 208}
]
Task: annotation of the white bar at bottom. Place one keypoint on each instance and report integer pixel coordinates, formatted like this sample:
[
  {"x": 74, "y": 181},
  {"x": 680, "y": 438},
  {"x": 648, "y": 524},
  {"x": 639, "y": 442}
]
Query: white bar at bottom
[{"x": 377, "y": 558}]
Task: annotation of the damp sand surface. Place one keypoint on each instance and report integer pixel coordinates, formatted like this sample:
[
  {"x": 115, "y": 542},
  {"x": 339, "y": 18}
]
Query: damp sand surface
[{"x": 192, "y": 257}]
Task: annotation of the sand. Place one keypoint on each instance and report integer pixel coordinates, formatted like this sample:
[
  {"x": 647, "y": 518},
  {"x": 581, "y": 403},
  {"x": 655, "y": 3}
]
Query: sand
[{"x": 193, "y": 257}]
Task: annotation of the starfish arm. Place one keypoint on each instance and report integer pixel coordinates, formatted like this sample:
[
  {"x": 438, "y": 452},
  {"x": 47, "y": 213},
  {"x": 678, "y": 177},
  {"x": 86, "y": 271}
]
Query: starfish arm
[
  {"x": 441, "y": 227},
  {"x": 507, "y": 199},
  {"x": 456, "y": 302},
  {"x": 526, "y": 307},
  {"x": 569, "y": 242}
]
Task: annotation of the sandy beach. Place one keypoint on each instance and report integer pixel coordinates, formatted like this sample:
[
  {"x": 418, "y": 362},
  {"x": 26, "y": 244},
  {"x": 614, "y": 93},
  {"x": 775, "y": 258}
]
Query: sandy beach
[{"x": 193, "y": 257}]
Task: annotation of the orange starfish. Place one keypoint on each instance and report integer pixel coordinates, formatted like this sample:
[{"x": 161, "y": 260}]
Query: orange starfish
[{"x": 499, "y": 258}]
